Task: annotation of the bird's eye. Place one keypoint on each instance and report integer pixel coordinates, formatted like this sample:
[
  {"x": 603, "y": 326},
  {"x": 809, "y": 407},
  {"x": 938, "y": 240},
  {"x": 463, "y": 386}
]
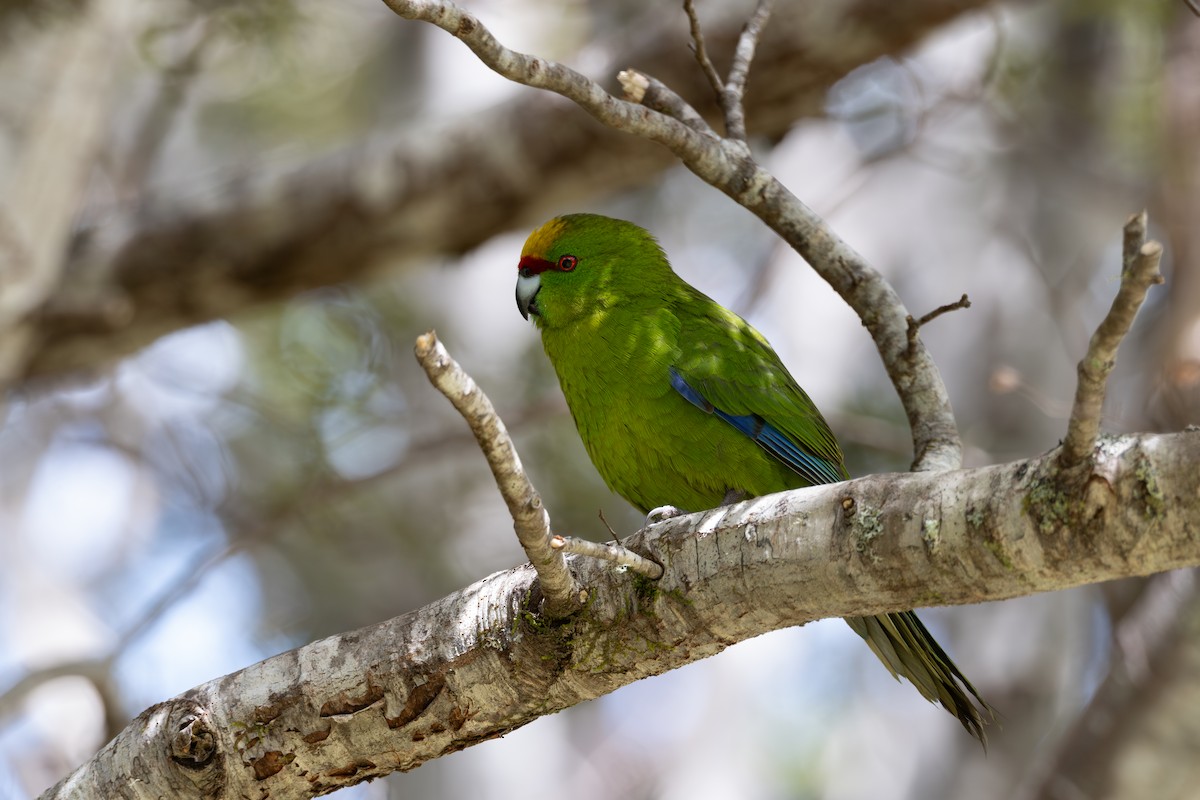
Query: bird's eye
[{"x": 567, "y": 263}]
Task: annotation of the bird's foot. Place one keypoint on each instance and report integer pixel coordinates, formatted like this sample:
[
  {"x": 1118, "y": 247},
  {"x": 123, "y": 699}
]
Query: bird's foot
[{"x": 663, "y": 513}]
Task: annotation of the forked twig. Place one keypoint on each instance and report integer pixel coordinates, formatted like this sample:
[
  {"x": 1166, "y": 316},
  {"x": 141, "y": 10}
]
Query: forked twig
[
  {"x": 915, "y": 325},
  {"x": 530, "y": 520},
  {"x": 701, "y": 51},
  {"x": 1138, "y": 273},
  {"x": 730, "y": 93}
]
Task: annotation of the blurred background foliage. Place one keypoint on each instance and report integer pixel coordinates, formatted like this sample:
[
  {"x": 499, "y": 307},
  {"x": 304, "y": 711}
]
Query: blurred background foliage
[{"x": 249, "y": 485}]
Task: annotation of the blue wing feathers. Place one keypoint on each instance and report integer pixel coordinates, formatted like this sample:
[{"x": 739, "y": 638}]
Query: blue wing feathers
[
  {"x": 812, "y": 468},
  {"x": 690, "y": 394}
]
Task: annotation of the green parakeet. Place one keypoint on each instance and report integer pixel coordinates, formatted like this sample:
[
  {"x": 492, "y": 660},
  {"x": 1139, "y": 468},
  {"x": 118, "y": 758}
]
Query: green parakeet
[{"x": 680, "y": 402}]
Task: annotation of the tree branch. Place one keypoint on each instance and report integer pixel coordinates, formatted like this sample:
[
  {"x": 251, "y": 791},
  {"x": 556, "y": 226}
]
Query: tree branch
[
  {"x": 613, "y": 553},
  {"x": 700, "y": 51},
  {"x": 1139, "y": 272},
  {"x": 652, "y": 93},
  {"x": 727, "y": 165},
  {"x": 735, "y": 87},
  {"x": 530, "y": 519},
  {"x": 262, "y": 235},
  {"x": 730, "y": 93},
  {"x": 480, "y": 663},
  {"x": 915, "y": 325}
]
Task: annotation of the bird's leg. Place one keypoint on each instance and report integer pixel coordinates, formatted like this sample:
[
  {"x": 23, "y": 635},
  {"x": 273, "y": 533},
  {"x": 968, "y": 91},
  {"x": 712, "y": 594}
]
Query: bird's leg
[
  {"x": 733, "y": 496},
  {"x": 663, "y": 513}
]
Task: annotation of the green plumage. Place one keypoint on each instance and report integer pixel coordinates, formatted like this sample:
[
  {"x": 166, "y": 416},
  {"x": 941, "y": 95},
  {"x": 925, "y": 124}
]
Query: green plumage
[{"x": 667, "y": 388}]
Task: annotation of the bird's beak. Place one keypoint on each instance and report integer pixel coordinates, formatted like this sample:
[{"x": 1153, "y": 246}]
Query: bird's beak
[{"x": 527, "y": 289}]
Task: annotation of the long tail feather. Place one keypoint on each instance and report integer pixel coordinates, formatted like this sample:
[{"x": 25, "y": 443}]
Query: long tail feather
[{"x": 907, "y": 649}]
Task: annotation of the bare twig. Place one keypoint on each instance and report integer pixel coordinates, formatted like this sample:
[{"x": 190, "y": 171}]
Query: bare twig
[
  {"x": 730, "y": 92},
  {"x": 1132, "y": 241},
  {"x": 1139, "y": 271},
  {"x": 616, "y": 539},
  {"x": 701, "y": 52},
  {"x": 653, "y": 93},
  {"x": 962, "y": 302},
  {"x": 728, "y": 166},
  {"x": 915, "y": 325},
  {"x": 530, "y": 519},
  {"x": 604, "y": 551},
  {"x": 735, "y": 87}
]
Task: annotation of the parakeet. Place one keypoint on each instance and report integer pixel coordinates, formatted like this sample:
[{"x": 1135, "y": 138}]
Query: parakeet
[{"x": 680, "y": 402}]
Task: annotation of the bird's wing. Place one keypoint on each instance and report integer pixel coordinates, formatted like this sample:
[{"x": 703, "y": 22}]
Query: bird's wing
[{"x": 728, "y": 369}]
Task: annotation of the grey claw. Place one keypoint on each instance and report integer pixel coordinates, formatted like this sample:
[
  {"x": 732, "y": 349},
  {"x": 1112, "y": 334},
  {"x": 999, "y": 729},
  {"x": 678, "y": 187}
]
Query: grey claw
[{"x": 663, "y": 513}]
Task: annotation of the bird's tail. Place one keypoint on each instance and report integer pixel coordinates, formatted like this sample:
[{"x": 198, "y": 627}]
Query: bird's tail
[{"x": 906, "y": 648}]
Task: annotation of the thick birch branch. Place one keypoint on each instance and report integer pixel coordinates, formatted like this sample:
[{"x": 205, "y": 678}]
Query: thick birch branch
[
  {"x": 168, "y": 261},
  {"x": 479, "y": 663}
]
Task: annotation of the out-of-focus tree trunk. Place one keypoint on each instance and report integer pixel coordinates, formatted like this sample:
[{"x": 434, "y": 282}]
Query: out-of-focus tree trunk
[
  {"x": 165, "y": 263},
  {"x": 60, "y": 147}
]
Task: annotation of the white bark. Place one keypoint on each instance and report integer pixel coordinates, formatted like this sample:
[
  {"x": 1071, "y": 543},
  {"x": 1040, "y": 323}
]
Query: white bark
[{"x": 479, "y": 663}]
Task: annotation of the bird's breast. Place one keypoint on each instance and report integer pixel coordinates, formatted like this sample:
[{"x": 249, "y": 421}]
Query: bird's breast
[{"x": 649, "y": 443}]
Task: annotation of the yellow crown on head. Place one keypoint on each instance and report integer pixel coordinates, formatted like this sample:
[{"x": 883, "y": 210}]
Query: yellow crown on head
[{"x": 539, "y": 242}]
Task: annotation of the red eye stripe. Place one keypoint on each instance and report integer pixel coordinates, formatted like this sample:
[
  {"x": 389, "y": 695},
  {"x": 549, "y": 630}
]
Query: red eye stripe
[{"x": 532, "y": 265}]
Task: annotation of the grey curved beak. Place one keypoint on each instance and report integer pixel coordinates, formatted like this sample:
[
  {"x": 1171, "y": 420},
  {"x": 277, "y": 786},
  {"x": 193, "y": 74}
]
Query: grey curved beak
[{"x": 527, "y": 289}]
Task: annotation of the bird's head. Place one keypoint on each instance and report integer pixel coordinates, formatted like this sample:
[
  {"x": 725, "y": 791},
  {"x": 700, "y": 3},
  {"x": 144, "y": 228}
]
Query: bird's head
[{"x": 582, "y": 264}]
